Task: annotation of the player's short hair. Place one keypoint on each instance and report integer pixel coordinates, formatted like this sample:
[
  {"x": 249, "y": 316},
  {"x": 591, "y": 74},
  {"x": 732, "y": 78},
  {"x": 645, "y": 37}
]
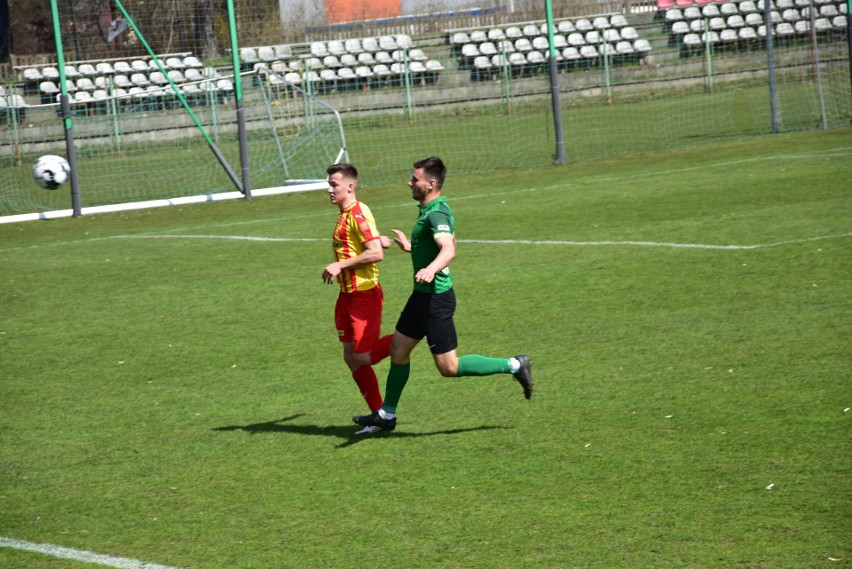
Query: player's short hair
[
  {"x": 348, "y": 170},
  {"x": 434, "y": 168}
]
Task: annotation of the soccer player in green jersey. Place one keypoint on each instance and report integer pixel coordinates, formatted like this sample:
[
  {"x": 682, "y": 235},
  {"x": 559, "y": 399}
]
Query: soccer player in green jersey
[{"x": 430, "y": 308}]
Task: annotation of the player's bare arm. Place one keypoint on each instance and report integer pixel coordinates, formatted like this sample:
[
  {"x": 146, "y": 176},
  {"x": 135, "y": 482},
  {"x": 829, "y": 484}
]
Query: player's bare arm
[
  {"x": 372, "y": 253},
  {"x": 402, "y": 240},
  {"x": 447, "y": 244}
]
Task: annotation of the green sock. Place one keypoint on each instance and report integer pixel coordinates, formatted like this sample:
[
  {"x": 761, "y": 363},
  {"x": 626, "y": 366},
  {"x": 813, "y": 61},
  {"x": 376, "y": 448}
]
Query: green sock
[
  {"x": 480, "y": 365},
  {"x": 397, "y": 378}
]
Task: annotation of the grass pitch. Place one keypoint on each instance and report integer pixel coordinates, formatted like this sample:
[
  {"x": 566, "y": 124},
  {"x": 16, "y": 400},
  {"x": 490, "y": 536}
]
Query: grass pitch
[{"x": 173, "y": 390}]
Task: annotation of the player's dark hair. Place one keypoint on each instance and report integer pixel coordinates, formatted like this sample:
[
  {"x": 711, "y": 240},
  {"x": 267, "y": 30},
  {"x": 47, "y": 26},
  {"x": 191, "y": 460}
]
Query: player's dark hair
[
  {"x": 434, "y": 168},
  {"x": 344, "y": 168}
]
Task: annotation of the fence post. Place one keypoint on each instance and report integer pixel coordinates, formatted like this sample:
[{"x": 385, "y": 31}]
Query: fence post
[
  {"x": 554, "y": 89},
  {"x": 770, "y": 57}
]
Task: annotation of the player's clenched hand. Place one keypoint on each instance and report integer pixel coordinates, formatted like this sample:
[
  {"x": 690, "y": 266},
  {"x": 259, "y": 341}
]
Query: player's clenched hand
[
  {"x": 330, "y": 273},
  {"x": 424, "y": 276},
  {"x": 402, "y": 240}
]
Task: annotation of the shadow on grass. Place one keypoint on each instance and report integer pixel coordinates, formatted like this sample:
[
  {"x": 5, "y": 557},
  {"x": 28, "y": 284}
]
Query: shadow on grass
[{"x": 348, "y": 433}]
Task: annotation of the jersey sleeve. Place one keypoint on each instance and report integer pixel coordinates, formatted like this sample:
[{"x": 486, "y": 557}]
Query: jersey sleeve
[
  {"x": 363, "y": 217},
  {"x": 440, "y": 222}
]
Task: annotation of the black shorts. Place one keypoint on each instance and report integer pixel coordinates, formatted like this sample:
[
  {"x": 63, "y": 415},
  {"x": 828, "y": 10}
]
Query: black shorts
[{"x": 430, "y": 316}]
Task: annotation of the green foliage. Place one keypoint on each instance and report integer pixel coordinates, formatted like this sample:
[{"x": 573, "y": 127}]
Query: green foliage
[{"x": 183, "y": 400}]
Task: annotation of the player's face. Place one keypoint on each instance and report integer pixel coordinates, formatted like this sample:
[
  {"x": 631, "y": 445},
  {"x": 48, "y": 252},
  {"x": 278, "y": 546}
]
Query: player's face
[
  {"x": 340, "y": 189},
  {"x": 420, "y": 184}
]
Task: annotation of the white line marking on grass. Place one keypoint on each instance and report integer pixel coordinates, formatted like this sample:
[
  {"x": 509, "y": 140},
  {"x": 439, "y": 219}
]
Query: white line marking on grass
[
  {"x": 513, "y": 241},
  {"x": 477, "y": 241},
  {"x": 232, "y": 237},
  {"x": 652, "y": 243},
  {"x": 79, "y": 555}
]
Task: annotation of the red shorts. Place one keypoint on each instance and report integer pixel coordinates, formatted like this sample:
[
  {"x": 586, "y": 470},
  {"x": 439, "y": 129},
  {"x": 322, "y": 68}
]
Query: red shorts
[{"x": 358, "y": 317}]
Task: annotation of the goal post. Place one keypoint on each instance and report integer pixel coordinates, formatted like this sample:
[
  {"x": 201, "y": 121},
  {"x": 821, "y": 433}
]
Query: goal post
[{"x": 65, "y": 106}]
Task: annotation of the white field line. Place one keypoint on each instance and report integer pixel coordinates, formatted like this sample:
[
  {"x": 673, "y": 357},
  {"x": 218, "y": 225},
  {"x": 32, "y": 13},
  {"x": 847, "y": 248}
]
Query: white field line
[
  {"x": 473, "y": 241},
  {"x": 511, "y": 241},
  {"x": 655, "y": 243},
  {"x": 79, "y": 555}
]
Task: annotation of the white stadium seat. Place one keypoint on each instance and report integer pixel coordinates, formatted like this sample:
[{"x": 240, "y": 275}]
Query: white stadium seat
[
  {"x": 624, "y": 48},
  {"x": 618, "y": 21},
  {"x": 747, "y": 34},
  {"x": 642, "y": 45},
  {"x": 583, "y": 25},
  {"x": 588, "y": 52},
  {"x": 336, "y": 47},
  {"x": 571, "y": 54},
  {"x": 121, "y": 81},
  {"x": 353, "y": 46},
  {"x": 601, "y": 23},
  {"x": 496, "y": 34},
  {"x": 566, "y": 26},
  {"x": 710, "y": 11},
  {"x": 488, "y": 48},
  {"x": 478, "y": 36},
  {"x": 32, "y": 74}
]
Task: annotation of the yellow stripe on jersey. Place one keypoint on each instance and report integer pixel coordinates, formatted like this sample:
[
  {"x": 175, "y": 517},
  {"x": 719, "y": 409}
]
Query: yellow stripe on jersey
[{"x": 355, "y": 226}]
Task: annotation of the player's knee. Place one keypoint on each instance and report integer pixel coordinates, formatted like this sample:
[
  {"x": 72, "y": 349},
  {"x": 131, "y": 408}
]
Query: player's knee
[
  {"x": 448, "y": 369},
  {"x": 399, "y": 355},
  {"x": 354, "y": 360}
]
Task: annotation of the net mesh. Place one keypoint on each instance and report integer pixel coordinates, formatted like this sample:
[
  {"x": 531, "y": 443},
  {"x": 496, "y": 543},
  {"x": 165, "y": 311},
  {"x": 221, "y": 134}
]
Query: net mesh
[{"x": 472, "y": 88}]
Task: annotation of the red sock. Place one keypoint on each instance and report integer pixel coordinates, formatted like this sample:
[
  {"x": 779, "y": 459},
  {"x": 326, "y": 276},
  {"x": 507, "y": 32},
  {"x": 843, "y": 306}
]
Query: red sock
[
  {"x": 381, "y": 349},
  {"x": 367, "y": 382}
]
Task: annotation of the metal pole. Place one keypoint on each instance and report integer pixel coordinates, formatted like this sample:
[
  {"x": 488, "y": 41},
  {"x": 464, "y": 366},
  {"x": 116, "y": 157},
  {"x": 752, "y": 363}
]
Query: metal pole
[
  {"x": 505, "y": 79},
  {"x": 212, "y": 100},
  {"x": 16, "y": 116},
  {"x": 113, "y": 110},
  {"x": 559, "y": 158},
  {"x": 818, "y": 73},
  {"x": 238, "y": 101},
  {"x": 76, "y": 209},
  {"x": 849, "y": 37},
  {"x": 708, "y": 56},
  {"x": 770, "y": 57},
  {"x": 409, "y": 104},
  {"x": 607, "y": 81}
]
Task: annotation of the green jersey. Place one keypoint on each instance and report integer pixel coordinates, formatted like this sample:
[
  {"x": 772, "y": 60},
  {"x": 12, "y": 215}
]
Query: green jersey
[{"x": 435, "y": 218}]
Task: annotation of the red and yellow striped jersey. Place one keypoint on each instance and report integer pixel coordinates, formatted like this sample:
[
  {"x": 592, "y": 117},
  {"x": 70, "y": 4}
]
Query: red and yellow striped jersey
[{"x": 355, "y": 226}]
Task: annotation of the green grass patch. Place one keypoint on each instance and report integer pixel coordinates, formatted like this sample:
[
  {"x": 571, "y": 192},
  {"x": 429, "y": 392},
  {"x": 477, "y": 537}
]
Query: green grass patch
[{"x": 183, "y": 401}]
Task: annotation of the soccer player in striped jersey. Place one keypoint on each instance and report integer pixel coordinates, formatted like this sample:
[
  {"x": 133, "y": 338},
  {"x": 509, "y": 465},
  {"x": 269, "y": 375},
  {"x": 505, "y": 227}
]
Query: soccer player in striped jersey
[
  {"x": 431, "y": 306},
  {"x": 357, "y": 246}
]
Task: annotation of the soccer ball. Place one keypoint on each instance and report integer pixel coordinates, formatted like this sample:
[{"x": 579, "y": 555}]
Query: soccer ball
[{"x": 51, "y": 171}]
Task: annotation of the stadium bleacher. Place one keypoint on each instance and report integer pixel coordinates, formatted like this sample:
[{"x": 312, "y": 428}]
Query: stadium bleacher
[
  {"x": 523, "y": 49},
  {"x": 342, "y": 65},
  {"x": 136, "y": 82},
  {"x": 740, "y": 24}
]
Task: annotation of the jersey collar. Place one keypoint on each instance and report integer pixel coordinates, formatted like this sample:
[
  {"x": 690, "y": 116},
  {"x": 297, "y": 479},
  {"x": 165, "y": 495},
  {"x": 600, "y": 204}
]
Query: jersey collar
[{"x": 432, "y": 204}]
